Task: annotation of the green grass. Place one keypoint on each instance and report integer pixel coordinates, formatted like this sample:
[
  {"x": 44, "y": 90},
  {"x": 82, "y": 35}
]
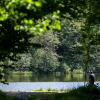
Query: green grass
[
  {"x": 49, "y": 90},
  {"x": 21, "y": 72}
]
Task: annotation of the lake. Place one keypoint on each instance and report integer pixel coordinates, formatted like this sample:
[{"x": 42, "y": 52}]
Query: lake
[
  {"x": 31, "y": 86},
  {"x": 20, "y": 77},
  {"x": 28, "y": 82}
]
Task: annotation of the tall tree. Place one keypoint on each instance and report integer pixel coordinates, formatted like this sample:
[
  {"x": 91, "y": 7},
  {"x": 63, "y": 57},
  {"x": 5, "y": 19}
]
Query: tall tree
[
  {"x": 18, "y": 22},
  {"x": 45, "y": 59}
]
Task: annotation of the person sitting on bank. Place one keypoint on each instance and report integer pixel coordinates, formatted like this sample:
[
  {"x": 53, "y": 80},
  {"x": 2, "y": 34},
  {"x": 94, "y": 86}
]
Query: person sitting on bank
[{"x": 92, "y": 78}]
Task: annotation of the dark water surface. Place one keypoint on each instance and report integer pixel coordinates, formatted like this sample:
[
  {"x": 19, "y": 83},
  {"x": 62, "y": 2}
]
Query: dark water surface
[
  {"x": 48, "y": 77},
  {"x": 28, "y": 82}
]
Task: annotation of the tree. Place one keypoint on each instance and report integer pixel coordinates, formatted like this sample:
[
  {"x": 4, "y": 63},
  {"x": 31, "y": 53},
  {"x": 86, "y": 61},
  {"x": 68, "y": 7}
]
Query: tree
[
  {"x": 87, "y": 15},
  {"x": 45, "y": 59},
  {"x": 19, "y": 21},
  {"x": 70, "y": 47},
  {"x": 91, "y": 20},
  {"x": 18, "y": 24}
]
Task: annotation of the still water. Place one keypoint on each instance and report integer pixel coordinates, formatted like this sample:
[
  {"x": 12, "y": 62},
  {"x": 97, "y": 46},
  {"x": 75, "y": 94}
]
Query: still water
[
  {"x": 48, "y": 77},
  {"x": 29, "y": 82},
  {"x": 31, "y": 86}
]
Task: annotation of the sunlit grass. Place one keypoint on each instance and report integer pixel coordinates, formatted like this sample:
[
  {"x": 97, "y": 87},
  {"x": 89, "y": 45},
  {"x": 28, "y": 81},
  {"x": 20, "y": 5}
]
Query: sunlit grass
[
  {"x": 25, "y": 73},
  {"x": 49, "y": 90},
  {"x": 82, "y": 93}
]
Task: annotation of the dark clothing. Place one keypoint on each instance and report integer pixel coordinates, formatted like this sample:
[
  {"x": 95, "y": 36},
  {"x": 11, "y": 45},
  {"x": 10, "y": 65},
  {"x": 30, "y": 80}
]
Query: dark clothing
[{"x": 91, "y": 79}]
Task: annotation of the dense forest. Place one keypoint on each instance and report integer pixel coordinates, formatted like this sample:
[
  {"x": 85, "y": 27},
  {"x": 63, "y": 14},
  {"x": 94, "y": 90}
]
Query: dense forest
[{"x": 49, "y": 35}]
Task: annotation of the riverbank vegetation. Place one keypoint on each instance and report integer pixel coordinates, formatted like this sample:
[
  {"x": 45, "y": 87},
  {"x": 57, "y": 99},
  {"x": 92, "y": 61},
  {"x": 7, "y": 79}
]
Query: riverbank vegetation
[{"x": 75, "y": 71}]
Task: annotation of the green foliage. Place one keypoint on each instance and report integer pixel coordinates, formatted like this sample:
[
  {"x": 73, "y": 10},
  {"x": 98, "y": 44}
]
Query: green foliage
[
  {"x": 46, "y": 59},
  {"x": 23, "y": 63},
  {"x": 18, "y": 23},
  {"x": 70, "y": 45},
  {"x": 23, "y": 24},
  {"x": 3, "y": 14}
]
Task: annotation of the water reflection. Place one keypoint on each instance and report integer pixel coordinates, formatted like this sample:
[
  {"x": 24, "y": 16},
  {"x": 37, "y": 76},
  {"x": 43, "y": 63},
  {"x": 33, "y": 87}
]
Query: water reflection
[{"x": 56, "y": 77}]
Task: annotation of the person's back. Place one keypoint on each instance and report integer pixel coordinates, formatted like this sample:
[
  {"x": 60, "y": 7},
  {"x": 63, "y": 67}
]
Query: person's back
[{"x": 92, "y": 78}]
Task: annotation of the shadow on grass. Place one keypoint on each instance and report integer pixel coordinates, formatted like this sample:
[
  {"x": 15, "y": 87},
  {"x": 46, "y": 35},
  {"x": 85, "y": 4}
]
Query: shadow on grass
[
  {"x": 82, "y": 93},
  {"x": 3, "y": 96}
]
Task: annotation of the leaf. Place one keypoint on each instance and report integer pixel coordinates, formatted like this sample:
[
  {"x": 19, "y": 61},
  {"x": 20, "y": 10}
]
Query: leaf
[
  {"x": 38, "y": 3},
  {"x": 29, "y": 1},
  {"x": 56, "y": 25},
  {"x": 30, "y": 21}
]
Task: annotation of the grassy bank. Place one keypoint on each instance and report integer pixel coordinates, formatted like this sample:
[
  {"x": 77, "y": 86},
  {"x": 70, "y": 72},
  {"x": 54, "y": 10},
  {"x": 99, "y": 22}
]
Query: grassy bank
[
  {"x": 76, "y": 71},
  {"x": 21, "y": 72},
  {"x": 82, "y": 93},
  {"x": 49, "y": 90}
]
